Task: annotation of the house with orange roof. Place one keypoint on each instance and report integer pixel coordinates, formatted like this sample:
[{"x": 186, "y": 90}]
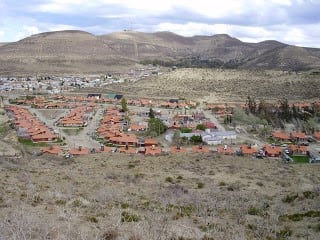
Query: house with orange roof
[
  {"x": 200, "y": 149},
  {"x": 138, "y": 127},
  {"x": 298, "y": 136},
  {"x": 226, "y": 150},
  {"x": 125, "y": 139},
  {"x": 178, "y": 149},
  {"x": 104, "y": 149},
  {"x": 280, "y": 136},
  {"x": 150, "y": 142},
  {"x": 129, "y": 150},
  {"x": 79, "y": 151},
  {"x": 248, "y": 150},
  {"x": 56, "y": 150},
  {"x": 298, "y": 149},
  {"x": 153, "y": 150},
  {"x": 44, "y": 137},
  {"x": 272, "y": 150},
  {"x": 317, "y": 135}
]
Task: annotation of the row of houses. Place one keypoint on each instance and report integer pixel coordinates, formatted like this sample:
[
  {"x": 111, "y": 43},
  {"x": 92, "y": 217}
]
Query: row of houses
[
  {"x": 59, "y": 101},
  {"x": 292, "y": 136},
  {"x": 77, "y": 117},
  {"x": 111, "y": 130},
  {"x": 268, "y": 150},
  {"x": 29, "y": 126}
]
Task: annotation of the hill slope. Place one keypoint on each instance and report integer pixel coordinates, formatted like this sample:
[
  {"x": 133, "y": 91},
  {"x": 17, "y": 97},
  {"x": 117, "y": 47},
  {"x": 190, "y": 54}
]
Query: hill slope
[{"x": 82, "y": 52}]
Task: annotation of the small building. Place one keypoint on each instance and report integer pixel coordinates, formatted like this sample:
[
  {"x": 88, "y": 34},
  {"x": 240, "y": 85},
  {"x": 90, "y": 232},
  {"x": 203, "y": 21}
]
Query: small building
[
  {"x": 272, "y": 151},
  {"x": 298, "y": 136},
  {"x": 280, "y": 136},
  {"x": 226, "y": 150},
  {"x": 248, "y": 150},
  {"x": 178, "y": 149},
  {"x": 79, "y": 151}
]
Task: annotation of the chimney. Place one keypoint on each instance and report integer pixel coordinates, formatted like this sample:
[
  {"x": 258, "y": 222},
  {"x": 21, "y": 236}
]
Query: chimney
[{"x": 80, "y": 148}]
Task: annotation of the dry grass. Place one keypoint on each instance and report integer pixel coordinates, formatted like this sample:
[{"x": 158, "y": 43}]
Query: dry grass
[
  {"x": 103, "y": 198},
  {"x": 216, "y": 85}
]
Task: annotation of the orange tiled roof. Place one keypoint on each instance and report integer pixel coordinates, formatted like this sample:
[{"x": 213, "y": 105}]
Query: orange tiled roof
[
  {"x": 298, "y": 148},
  {"x": 299, "y": 135},
  {"x": 79, "y": 151},
  {"x": 200, "y": 149},
  {"x": 153, "y": 150},
  {"x": 225, "y": 150},
  {"x": 248, "y": 150},
  {"x": 178, "y": 150},
  {"x": 273, "y": 150},
  {"x": 281, "y": 135},
  {"x": 52, "y": 150},
  {"x": 150, "y": 141},
  {"x": 129, "y": 150},
  {"x": 317, "y": 135}
]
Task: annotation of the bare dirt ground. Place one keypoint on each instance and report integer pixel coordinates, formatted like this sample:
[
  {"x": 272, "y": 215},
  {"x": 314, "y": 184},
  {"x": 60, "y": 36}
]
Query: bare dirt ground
[
  {"x": 215, "y": 85},
  {"x": 116, "y": 196}
]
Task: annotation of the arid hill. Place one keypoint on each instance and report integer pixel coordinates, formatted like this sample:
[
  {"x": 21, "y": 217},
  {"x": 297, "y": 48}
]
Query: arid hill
[{"x": 81, "y": 52}]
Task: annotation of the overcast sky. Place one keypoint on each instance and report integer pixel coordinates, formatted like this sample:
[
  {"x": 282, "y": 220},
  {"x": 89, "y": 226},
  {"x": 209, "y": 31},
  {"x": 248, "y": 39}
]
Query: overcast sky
[{"x": 295, "y": 22}]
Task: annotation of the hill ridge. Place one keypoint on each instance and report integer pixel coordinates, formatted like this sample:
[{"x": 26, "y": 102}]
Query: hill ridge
[{"x": 80, "y": 51}]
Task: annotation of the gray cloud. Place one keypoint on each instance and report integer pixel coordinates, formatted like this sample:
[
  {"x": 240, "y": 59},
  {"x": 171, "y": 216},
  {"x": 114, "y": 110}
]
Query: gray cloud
[{"x": 290, "y": 21}]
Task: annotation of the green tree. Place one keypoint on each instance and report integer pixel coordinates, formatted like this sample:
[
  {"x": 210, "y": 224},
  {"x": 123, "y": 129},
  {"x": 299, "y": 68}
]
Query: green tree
[
  {"x": 151, "y": 113},
  {"x": 196, "y": 139},
  {"x": 284, "y": 110},
  {"x": 251, "y": 105},
  {"x": 185, "y": 130},
  {"x": 201, "y": 127},
  {"x": 124, "y": 106},
  {"x": 155, "y": 125}
]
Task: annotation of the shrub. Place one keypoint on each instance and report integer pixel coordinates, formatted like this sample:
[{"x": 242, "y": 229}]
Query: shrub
[
  {"x": 131, "y": 165},
  {"x": 253, "y": 211},
  {"x": 200, "y": 185},
  {"x": 309, "y": 194},
  {"x": 92, "y": 219},
  {"x": 290, "y": 198},
  {"x": 221, "y": 184},
  {"x": 260, "y": 184},
  {"x": 36, "y": 199},
  {"x": 76, "y": 203},
  {"x": 60, "y": 202},
  {"x": 284, "y": 233},
  {"x": 127, "y": 217},
  {"x": 169, "y": 179},
  {"x": 124, "y": 205}
]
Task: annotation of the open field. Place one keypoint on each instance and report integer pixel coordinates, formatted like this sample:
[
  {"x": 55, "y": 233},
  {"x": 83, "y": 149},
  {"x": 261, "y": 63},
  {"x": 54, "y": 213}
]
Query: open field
[
  {"x": 116, "y": 196},
  {"x": 216, "y": 85}
]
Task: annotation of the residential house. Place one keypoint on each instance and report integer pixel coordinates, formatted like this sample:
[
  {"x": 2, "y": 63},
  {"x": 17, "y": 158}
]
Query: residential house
[
  {"x": 79, "y": 151},
  {"x": 178, "y": 149},
  {"x": 280, "y": 136},
  {"x": 272, "y": 150},
  {"x": 248, "y": 150},
  {"x": 200, "y": 149},
  {"x": 56, "y": 150},
  {"x": 153, "y": 150},
  {"x": 298, "y": 136},
  {"x": 226, "y": 150}
]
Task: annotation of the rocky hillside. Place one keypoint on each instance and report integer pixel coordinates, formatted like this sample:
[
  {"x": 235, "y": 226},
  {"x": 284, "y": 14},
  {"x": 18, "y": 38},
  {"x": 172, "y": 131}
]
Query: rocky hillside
[{"x": 82, "y": 52}]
